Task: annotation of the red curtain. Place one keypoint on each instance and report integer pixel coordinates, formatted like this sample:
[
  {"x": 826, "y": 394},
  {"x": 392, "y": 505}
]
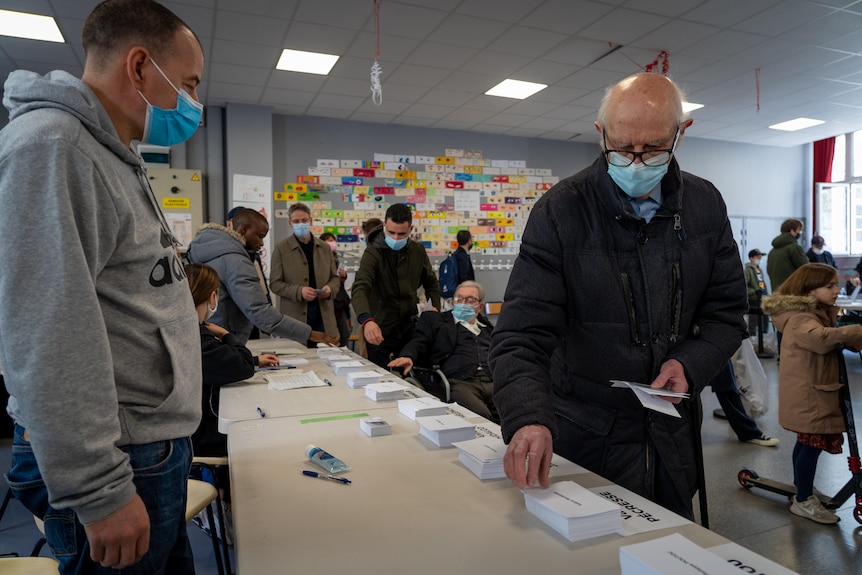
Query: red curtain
[{"x": 824, "y": 150}]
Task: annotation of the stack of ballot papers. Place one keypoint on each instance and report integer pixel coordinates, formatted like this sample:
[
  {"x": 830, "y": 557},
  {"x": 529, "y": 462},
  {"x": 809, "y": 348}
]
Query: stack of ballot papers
[
  {"x": 673, "y": 554},
  {"x": 329, "y": 358},
  {"x": 385, "y": 390},
  {"x": 573, "y": 511},
  {"x": 362, "y": 378},
  {"x": 345, "y": 367},
  {"x": 483, "y": 456},
  {"x": 292, "y": 361},
  {"x": 323, "y": 350},
  {"x": 375, "y": 426},
  {"x": 444, "y": 430},
  {"x": 421, "y": 406},
  {"x": 292, "y": 379}
]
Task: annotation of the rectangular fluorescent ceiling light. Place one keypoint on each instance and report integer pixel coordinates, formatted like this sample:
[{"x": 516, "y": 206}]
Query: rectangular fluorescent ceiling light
[
  {"x": 306, "y": 62},
  {"x": 518, "y": 89},
  {"x": 690, "y": 107},
  {"x": 797, "y": 124},
  {"x": 29, "y": 26}
]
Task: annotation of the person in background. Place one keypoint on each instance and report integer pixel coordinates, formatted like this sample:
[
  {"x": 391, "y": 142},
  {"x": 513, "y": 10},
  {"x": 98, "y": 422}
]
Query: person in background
[
  {"x": 458, "y": 341},
  {"x": 98, "y": 408},
  {"x": 242, "y": 303},
  {"x": 726, "y": 391},
  {"x": 392, "y": 268},
  {"x": 369, "y": 226},
  {"x": 786, "y": 255},
  {"x": 462, "y": 257},
  {"x": 224, "y": 360},
  {"x": 304, "y": 274},
  {"x": 804, "y": 310},
  {"x": 756, "y": 287},
  {"x": 657, "y": 297},
  {"x": 817, "y": 255},
  {"x": 342, "y": 300}
]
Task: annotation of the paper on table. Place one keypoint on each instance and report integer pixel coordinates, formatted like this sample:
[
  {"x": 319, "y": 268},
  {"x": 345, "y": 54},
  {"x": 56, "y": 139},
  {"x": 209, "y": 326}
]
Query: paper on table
[
  {"x": 639, "y": 514},
  {"x": 652, "y": 398}
]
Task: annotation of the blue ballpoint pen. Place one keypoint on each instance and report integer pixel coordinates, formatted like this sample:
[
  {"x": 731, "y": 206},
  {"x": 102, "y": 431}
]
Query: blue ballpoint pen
[
  {"x": 309, "y": 473},
  {"x": 327, "y": 382},
  {"x": 260, "y": 412}
]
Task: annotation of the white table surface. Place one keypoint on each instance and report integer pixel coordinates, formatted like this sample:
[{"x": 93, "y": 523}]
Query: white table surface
[
  {"x": 412, "y": 508},
  {"x": 239, "y": 402}
]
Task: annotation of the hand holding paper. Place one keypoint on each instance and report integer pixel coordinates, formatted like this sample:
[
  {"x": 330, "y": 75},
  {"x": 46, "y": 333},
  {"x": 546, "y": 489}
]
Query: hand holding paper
[{"x": 652, "y": 398}]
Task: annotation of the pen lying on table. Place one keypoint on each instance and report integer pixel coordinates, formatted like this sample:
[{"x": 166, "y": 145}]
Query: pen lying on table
[{"x": 310, "y": 473}]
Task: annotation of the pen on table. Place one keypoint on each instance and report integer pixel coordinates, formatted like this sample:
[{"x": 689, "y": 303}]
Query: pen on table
[
  {"x": 327, "y": 382},
  {"x": 260, "y": 412},
  {"x": 309, "y": 473}
]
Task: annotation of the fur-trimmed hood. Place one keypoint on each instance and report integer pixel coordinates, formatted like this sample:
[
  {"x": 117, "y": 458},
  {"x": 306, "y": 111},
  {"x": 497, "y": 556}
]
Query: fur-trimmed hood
[
  {"x": 773, "y": 304},
  {"x": 212, "y": 226}
]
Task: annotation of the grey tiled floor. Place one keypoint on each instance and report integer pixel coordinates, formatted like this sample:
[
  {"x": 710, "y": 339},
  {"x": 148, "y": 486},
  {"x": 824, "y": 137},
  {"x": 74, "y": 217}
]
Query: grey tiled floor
[{"x": 753, "y": 518}]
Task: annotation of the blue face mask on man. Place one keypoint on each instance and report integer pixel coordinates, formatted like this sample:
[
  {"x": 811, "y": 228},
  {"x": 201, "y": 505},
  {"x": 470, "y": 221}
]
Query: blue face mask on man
[
  {"x": 463, "y": 312},
  {"x": 637, "y": 179},
  {"x": 396, "y": 245},
  {"x": 169, "y": 127},
  {"x": 301, "y": 230}
]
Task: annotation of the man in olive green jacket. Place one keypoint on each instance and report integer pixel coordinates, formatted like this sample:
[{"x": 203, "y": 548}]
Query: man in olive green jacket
[
  {"x": 786, "y": 255},
  {"x": 392, "y": 268}
]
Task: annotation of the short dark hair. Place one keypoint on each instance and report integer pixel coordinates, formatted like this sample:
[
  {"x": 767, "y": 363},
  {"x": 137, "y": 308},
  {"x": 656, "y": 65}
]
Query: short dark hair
[
  {"x": 298, "y": 206},
  {"x": 399, "y": 213},
  {"x": 118, "y": 24},
  {"x": 326, "y": 236},
  {"x": 246, "y": 217},
  {"x": 371, "y": 224},
  {"x": 464, "y": 237},
  {"x": 790, "y": 225}
]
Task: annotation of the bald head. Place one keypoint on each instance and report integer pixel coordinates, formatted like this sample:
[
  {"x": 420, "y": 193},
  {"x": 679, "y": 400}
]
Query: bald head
[{"x": 644, "y": 98}]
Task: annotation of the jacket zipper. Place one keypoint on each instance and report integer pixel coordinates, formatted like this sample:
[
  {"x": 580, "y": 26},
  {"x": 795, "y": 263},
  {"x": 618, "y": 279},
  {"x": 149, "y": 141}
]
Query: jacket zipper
[
  {"x": 676, "y": 303},
  {"x": 630, "y": 308}
]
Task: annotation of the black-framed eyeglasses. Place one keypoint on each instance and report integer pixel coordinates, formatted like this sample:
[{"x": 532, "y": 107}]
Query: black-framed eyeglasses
[
  {"x": 467, "y": 300},
  {"x": 622, "y": 159}
]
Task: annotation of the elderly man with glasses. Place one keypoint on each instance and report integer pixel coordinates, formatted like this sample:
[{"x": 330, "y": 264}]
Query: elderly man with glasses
[
  {"x": 458, "y": 341},
  {"x": 627, "y": 271}
]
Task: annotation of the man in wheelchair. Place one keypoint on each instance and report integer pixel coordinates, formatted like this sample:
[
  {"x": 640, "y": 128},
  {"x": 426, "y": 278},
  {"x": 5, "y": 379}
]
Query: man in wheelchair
[{"x": 457, "y": 342}]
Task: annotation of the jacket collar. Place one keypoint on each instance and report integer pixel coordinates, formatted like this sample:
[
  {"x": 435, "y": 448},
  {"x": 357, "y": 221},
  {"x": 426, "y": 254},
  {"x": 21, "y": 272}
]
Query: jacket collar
[
  {"x": 218, "y": 227},
  {"x": 616, "y": 201}
]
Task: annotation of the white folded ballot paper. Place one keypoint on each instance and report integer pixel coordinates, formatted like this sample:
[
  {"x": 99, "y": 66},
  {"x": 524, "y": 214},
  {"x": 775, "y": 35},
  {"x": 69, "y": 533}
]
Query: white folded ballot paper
[
  {"x": 484, "y": 457},
  {"x": 421, "y": 407},
  {"x": 362, "y": 378},
  {"x": 573, "y": 511},
  {"x": 652, "y": 398},
  {"x": 672, "y": 554},
  {"x": 385, "y": 390},
  {"x": 443, "y": 430},
  {"x": 292, "y": 361},
  {"x": 375, "y": 426},
  {"x": 323, "y": 350},
  {"x": 345, "y": 367}
]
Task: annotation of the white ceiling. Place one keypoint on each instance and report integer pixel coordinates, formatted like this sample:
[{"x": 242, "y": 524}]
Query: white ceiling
[{"x": 440, "y": 56}]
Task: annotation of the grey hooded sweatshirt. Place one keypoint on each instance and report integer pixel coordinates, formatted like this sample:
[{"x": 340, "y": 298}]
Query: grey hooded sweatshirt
[{"x": 98, "y": 333}]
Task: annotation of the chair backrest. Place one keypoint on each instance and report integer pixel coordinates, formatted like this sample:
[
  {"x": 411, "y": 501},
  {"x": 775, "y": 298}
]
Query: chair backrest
[{"x": 433, "y": 381}]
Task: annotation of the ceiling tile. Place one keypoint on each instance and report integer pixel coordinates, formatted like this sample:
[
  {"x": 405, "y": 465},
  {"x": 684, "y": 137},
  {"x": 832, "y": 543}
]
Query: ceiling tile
[
  {"x": 725, "y": 13},
  {"x": 317, "y": 38},
  {"x": 241, "y": 74},
  {"x": 336, "y": 102},
  {"x": 467, "y": 31},
  {"x": 400, "y": 19},
  {"x": 240, "y": 27},
  {"x": 623, "y": 26},
  {"x": 565, "y": 16},
  {"x": 276, "y": 97},
  {"x": 271, "y": 8},
  {"x": 428, "y": 111},
  {"x": 526, "y": 42},
  {"x": 340, "y": 13},
  {"x": 422, "y": 76},
  {"x": 784, "y": 16},
  {"x": 448, "y": 98},
  {"x": 440, "y": 55},
  {"x": 492, "y": 10}
]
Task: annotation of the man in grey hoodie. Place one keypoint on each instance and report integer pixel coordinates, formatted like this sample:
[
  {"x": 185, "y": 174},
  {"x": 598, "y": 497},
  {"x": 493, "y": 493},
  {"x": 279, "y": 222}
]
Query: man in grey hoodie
[{"x": 98, "y": 332}]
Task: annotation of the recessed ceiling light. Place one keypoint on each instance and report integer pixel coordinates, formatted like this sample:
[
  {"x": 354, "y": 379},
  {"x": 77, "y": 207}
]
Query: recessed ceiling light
[
  {"x": 307, "y": 62},
  {"x": 797, "y": 124},
  {"x": 515, "y": 89},
  {"x": 690, "y": 106},
  {"x": 29, "y": 26}
]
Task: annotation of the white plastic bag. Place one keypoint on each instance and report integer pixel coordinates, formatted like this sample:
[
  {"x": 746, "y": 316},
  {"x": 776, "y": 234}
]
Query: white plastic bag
[{"x": 750, "y": 379}]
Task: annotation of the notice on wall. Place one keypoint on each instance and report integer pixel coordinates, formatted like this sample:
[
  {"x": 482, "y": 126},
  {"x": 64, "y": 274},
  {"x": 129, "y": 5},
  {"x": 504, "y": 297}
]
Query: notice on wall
[{"x": 255, "y": 193}]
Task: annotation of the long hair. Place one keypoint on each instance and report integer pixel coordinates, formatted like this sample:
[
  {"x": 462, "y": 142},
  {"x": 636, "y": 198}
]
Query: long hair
[
  {"x": 203, "y": 281},
  {"x": 807, "y": 278}
]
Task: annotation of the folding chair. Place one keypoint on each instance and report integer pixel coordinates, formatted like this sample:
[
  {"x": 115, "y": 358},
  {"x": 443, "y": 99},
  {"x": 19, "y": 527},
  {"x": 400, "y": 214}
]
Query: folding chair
[
  {"x": 210, "y": 463},
  {"x": 431, "y": 380}
]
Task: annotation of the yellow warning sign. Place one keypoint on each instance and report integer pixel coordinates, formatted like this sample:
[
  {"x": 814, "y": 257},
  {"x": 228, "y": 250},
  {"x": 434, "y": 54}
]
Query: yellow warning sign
[
  {"x": 176, "y": 203},
  {"x": 196, "y": 177}
]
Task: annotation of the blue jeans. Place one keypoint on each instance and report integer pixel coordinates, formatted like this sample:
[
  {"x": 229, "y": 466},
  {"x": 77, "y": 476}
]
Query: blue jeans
[{"x": 161, "y": 470}]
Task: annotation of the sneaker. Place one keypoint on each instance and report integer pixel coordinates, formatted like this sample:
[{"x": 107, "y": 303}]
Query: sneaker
[
  {"x": 812, "y": 509},
  {"x": 719, "y": 414},
  {"x": 764, "y": 440}
]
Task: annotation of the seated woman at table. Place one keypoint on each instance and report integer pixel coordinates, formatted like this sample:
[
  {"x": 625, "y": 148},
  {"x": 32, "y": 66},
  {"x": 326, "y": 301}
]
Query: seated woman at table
[{"x": 224, "y": 360}]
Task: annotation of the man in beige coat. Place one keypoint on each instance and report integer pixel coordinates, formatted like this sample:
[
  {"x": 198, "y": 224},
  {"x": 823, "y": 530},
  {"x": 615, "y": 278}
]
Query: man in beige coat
[{"x": 304, "y": 274}]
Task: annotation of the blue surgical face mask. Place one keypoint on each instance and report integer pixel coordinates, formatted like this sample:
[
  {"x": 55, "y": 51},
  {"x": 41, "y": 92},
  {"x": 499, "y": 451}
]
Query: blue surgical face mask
[
  {"x": 637, "y": 179},
  {"x": 169, "y": 127},
  {"x": 301, "y": 230},
  {"x": 396, "y": 244},
  {"x": 463, "y": 312}
]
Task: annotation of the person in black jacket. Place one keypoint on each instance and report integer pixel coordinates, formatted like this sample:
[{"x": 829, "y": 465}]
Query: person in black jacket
[
  {"x": 817, "y": 255},
  {"x": 224, "y": 359},
  {"x": 458, "y": 342},
  {"x": 627, "y": 270},
  {"x": 462, "y": 257}
]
